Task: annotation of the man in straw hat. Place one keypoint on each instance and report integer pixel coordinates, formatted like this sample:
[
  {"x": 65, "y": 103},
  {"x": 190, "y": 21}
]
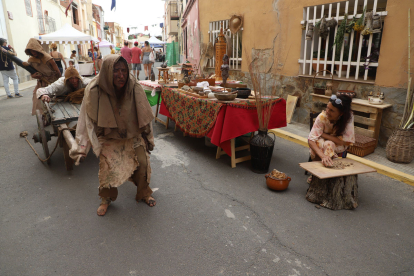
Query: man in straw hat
[
  {"x": 71, "y": 82},
  {"x": 115, "y": 120}
]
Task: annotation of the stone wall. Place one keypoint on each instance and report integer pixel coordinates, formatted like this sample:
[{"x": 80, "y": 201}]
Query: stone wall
[{"x": 302, "y": 87}]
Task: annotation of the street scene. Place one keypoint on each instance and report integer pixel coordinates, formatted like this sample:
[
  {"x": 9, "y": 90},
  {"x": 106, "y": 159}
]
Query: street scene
[{"x": 207, "y": 138}]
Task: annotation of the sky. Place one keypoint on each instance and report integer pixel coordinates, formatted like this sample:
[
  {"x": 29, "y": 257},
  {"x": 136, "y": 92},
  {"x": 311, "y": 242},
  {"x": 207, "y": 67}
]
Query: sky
[{"x": 137, "y": 13}]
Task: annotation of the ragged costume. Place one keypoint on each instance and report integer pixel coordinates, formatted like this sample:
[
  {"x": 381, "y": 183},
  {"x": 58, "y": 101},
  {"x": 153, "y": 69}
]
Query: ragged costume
[
  {"x": 43, "y": 65},
  {"x": 61, "y": 87},
  {"x": 119, "y": 131}
]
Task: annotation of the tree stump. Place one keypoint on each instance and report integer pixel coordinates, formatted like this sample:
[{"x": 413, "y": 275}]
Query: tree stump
[{"x": 334, "y": 193}]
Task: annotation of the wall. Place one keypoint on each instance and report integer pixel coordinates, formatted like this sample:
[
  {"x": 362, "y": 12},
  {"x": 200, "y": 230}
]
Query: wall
[
  {"x": 193, "y": 32},
  {"x": 273, "y": 28}
]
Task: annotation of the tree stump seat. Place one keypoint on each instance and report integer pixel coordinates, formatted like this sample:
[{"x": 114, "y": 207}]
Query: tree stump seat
[{"x": 334, "y": 193}]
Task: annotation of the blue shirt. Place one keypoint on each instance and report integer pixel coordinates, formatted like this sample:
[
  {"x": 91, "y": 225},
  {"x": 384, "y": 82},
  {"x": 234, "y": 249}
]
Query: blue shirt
[{"x": 4, "y": 57}]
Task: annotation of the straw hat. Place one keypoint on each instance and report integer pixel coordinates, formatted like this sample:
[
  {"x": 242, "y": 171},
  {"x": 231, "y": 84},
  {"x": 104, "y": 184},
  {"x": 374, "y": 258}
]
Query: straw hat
[{"x": 235, "y": 23}]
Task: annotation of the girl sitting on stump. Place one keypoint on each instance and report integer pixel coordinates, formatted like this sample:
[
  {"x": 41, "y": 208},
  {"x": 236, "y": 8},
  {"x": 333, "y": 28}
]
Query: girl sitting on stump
[{"x": 333, "y": 131}]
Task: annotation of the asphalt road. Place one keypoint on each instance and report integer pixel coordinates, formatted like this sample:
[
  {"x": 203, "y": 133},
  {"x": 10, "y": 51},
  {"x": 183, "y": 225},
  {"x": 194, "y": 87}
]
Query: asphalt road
[{"x": 209, "y": 219}]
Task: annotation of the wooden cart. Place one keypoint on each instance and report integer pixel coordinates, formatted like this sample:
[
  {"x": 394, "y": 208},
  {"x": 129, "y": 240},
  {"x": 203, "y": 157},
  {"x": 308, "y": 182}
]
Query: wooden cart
[{"x": 59, "y": 115}]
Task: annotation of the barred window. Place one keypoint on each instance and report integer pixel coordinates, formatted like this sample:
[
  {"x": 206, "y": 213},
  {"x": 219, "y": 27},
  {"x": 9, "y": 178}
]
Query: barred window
[
  {"x": 234, "y": 43},
  {"x": 28, "y": 5},
  {"x": 356, "y": 58}
]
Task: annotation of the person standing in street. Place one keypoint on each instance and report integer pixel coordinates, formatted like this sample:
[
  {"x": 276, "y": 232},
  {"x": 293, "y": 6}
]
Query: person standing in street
[
  {"x": 7, "y": 69},
  {"x": 115, "y": 120},
  {"x": 136, "y": 60},
  {"x": 126, "y": 53},
  {"x": 145, "y": 57},
  {"x": 58, "y": 57},
  {"x": 112, "y": 50}
]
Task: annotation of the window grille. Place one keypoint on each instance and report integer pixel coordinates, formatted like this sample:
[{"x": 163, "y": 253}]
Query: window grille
[
  {"x": 28, "y": 5},
  {"x": 351, "y": 61},
  {"x": 235, "y": 40}
]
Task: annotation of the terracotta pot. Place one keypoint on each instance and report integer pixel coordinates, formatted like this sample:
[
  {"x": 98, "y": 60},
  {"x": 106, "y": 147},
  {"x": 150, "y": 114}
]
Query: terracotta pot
[
  {"x": 277, "y": 184},
  {"x": 348, "y": 93}
]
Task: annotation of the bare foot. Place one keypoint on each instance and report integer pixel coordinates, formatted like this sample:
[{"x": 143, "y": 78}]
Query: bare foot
[
  {"x": 150, "y": 201},
  {"x": 102, "y": 209}
]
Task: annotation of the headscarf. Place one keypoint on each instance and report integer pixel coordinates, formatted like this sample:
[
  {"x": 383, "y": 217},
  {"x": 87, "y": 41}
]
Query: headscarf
[
  {"x": 102, "y": 104},
  {"x": 36, "y": 45}
]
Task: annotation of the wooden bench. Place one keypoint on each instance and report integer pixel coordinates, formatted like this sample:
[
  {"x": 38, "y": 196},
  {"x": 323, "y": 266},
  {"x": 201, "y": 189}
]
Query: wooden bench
[{"x": 371, "y": 119}]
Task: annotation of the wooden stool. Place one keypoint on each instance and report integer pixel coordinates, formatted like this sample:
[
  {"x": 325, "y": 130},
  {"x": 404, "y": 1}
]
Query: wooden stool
[
  {"x": 335, "y": 189},
  {"x": 163, "y": 73}
]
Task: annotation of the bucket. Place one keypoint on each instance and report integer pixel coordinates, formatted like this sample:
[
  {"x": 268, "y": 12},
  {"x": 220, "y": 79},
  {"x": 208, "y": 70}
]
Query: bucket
[{"x": 261, "y": 151}]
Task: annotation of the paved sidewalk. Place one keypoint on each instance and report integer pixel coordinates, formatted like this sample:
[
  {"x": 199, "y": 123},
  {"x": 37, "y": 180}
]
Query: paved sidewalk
[
  {"x": 22, "y": 86},
  {"x": 403, "y": 172}
]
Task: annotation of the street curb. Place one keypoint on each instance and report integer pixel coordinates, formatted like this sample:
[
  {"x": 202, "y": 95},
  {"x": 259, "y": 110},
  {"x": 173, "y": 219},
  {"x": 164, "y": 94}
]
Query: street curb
[{"x": 387, "y": 171}]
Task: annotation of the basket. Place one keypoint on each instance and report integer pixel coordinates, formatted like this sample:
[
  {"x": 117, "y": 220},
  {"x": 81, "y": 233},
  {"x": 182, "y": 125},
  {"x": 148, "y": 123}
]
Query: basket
[
  {"x": 363, "y": 145},
  {"x": 400, "y": 146},
  {"x": 316, "y": 90}
]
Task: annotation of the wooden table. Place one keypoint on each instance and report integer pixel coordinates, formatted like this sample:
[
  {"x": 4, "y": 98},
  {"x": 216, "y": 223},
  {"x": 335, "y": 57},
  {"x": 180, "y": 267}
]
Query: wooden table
[{"x": 373, "y": 119}]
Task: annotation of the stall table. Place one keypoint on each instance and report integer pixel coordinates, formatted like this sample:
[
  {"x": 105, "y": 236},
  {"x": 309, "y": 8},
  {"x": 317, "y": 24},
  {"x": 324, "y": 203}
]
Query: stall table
[
  {"x": 153, "y": 91},
  {"x": 220, "y": 121}
]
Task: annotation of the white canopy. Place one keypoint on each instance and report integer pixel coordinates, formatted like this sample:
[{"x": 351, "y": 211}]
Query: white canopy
[
  {"x": 66, "y": 35},
  {"x": 154, "y": 40},
  {"x": 105, "y": 43}
]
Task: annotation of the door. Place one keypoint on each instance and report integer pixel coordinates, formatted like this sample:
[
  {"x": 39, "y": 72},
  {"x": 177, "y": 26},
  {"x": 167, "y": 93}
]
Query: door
[{"x": 40, "y": 16}]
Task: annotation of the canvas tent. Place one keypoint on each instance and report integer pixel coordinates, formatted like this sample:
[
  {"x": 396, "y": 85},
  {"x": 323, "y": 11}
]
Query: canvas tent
[
  {"x": 67, "y": 35},
  {"x": 154, "y": 40},
  {"x": 104, "y": 47}
]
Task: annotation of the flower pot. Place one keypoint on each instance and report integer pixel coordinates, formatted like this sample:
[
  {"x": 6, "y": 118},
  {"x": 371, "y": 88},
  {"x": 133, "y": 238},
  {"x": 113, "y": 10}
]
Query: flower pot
[
  {"x": 261, "y": 151},
  {"x": 277, "y": 184}
]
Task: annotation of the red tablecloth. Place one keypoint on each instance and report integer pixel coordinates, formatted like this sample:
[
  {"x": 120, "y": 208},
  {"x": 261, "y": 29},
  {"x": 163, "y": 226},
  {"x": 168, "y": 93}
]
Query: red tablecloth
[{"x": 234, "y": 120}]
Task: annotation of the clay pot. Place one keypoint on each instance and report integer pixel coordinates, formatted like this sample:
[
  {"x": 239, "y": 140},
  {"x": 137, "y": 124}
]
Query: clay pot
[
  {"x": 277, "y": 184},
  {"x": 348, "y": 93}
]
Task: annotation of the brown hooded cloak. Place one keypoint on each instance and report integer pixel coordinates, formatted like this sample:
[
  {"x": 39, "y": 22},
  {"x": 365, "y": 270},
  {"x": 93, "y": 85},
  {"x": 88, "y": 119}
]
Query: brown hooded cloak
[
  {"x": 114, "y": 127},
  {"x": 42, "y": 65}
]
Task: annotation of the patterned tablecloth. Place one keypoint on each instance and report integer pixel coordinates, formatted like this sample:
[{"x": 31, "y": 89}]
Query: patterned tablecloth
[
  {"x": 221, "y": 122},
  {"x": 151, "y": 85}
]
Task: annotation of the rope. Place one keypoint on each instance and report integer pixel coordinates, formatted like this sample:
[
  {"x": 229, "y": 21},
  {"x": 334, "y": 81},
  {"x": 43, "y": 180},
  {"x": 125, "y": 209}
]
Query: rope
[{"x": 24, "y": 134}]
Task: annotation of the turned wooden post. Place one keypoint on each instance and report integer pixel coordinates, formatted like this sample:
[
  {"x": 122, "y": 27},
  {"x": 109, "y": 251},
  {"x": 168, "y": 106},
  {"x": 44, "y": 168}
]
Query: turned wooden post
[{"x": 334, "y": 193}]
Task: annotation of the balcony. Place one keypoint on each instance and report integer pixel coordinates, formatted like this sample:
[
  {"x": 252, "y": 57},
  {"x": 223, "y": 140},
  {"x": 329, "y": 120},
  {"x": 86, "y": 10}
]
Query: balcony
[
  {"x": 46, "y": 25},
  {"x": 172, "y": 28},
  {"x": 173, "y": 11}
]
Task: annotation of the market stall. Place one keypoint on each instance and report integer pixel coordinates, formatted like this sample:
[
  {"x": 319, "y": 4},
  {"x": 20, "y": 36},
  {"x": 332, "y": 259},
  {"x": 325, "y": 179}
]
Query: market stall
[
  {"x": 220, "y": 121},
  {"x": 85, "y": 68},
  {"x": 104, "y": 47},
  {"x": 152, "y": 89}
]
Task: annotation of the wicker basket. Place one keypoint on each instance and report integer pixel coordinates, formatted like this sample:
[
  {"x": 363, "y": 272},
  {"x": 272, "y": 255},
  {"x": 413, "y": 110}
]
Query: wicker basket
[
  {"x": 400, "y": 146},
  {"x": 316, "y": 90},
  {"x": 363, "y": 145}
]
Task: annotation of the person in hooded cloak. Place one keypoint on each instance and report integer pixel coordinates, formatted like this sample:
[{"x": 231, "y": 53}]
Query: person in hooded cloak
[
  {"x": 44, "y": 63},
  {"x": 71, "y": 82},
  {"x": 115, "y": 120}
]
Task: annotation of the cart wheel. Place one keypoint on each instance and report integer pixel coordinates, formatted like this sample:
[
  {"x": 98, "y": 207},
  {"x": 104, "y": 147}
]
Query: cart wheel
[{"x": 43, "y": 136}]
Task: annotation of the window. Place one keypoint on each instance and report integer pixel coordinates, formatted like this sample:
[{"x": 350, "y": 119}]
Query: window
[
  {"x": 234, "y": 43},
  {"x": 351, "y": 61},
  {"x": 28, "y": 5},
  {"x": 40, "y": 17},
  {"x": 75, "y": 14}
]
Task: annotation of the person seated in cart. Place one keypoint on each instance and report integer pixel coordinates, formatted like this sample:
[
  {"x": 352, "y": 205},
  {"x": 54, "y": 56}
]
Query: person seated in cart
[
  {"x": 333, "y": 131},
  {"x": 71, "y": 82},
  {"x": 48, "y": 72},
  {"x": 115, "y": 120}
]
